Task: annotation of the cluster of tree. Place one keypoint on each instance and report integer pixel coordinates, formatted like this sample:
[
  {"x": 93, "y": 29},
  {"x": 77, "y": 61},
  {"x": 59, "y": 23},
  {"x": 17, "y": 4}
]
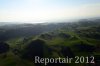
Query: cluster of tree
[{"x": 4, "y": 47}]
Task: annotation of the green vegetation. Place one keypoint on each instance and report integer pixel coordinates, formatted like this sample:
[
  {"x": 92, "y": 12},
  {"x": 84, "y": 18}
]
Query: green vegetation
[{"x": 23, "y": 42}]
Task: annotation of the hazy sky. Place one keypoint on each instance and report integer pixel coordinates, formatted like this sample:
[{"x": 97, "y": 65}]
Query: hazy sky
[{"x": 47, "y": 10}]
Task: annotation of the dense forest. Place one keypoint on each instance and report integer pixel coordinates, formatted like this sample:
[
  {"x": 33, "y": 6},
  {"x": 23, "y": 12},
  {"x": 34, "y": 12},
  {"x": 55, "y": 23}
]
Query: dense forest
[{"x": 20, "y": 43}]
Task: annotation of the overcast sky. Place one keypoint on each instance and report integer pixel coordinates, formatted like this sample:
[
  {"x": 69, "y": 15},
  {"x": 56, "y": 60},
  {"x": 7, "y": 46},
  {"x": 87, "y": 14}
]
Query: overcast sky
[{"x": 47, "y": 10}]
